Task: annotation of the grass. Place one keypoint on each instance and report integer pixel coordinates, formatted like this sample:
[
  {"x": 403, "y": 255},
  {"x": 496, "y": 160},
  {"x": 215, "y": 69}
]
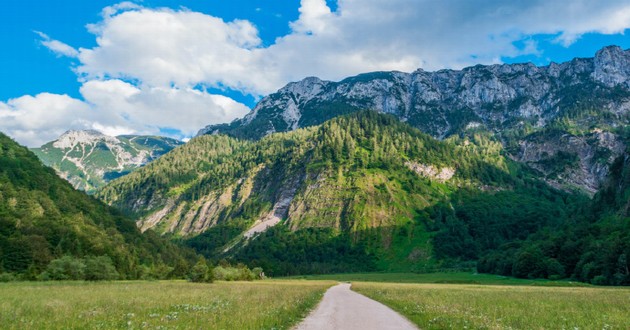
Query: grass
[
  {"x": 444, "y": 278},
  {"x": 450, "y": 306},
  {"x": 157, "y": 305}
]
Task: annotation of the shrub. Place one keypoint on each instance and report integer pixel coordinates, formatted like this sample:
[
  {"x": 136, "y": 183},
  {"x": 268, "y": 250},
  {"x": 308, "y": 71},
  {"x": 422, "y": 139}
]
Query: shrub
[
  {"x": 200, "y": 272},
  {"x": 64, "y": 268},
  {"x": 100, "y": 269},
  {"x": 7, "y": 277},
  {"x": 599, "y": 280}
]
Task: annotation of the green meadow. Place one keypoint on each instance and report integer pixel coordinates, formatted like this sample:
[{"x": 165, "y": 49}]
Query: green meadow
[
  {"x": 432, "y": 301},
  {"x": 157, "y": 305},
  {"x": 452, "y": 306}
]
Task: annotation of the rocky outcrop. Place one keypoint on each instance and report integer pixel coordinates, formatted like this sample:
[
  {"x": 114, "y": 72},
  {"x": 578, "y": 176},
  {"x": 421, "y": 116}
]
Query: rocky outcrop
[
  {"x": 511, "y": 100},
  {"x": 431, "y": 172}
]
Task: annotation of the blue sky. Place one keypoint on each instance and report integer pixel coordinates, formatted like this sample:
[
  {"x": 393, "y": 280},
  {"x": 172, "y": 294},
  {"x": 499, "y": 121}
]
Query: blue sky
[{"x": 156, "y": 66}]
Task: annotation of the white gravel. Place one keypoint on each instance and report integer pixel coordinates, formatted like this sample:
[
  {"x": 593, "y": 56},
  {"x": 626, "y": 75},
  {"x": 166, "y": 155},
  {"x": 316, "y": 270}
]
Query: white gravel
[{"x": 344, "y": 309}]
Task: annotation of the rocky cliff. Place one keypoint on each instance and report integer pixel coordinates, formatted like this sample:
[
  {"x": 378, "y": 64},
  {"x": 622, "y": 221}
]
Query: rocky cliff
[{"x": 584, "y": 101}]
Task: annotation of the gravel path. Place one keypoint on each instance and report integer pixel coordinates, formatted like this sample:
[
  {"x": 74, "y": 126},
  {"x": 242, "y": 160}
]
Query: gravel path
[{"x": 344, "y": 309}]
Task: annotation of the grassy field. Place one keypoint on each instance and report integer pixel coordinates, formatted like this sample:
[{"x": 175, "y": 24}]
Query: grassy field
[
  {"x": 157, "y": 305},
  {"x": 451, "y": 306},
  {"x": 444, "y": 278}
]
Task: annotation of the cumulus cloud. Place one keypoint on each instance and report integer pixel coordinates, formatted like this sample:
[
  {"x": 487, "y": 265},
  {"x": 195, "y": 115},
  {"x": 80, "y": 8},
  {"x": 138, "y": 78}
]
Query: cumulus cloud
[
  {"x": 115, "y": 107},
  {"x": 166, "y": 46},
  {"x": 144, "y": 73}
]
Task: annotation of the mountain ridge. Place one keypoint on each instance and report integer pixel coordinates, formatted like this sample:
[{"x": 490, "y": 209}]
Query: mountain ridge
[
  {"x": 89, "y": 159},
  {"x": 513, "y": 101}
]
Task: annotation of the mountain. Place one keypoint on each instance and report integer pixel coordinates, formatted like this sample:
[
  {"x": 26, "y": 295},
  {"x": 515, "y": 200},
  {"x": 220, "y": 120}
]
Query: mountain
[
  {"x": 89, "y": 159},
  {"x": 359, "y": 192},
  {"x": 42, "y": 218},
  {"x": 562, "y": 120},
  {"x": 593, "y": 247}
]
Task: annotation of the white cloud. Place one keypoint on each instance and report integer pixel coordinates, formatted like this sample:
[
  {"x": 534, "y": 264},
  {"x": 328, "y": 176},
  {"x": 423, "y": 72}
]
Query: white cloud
[
  {"x": 32, "y": 120},
  {"x": 164, "y": 46},
  {"x": 115, "y": 107},
  {"x": 167, "y": 52},
  {"x": 57, "y": 46}
]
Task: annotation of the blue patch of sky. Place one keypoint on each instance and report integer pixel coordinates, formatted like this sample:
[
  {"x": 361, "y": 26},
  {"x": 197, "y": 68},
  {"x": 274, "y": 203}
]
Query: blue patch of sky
[
  {"x": 28, "y": 68},
  {"x": 167, "y": 131},
  {"x": 553, "y": 51}
]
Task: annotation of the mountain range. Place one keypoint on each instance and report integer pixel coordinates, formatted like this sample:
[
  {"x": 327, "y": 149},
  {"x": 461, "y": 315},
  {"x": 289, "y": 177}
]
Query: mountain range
[
  {"x": 89, "y": 159},
  {"x": 510, "y": 169},
  {"x": 567, "y": 114}
]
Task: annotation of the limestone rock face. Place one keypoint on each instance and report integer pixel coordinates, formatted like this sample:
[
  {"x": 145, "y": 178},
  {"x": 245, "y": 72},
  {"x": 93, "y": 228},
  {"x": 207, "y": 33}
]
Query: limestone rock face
[
  {"x": 517, "y": 102},
  {"x": 89, "y": 159}
]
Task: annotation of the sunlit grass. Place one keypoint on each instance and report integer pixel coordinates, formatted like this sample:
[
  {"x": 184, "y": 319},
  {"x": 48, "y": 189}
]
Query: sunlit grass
[
  {"x": 450, "y": 306},
  {"x": 157, "y": 305}
]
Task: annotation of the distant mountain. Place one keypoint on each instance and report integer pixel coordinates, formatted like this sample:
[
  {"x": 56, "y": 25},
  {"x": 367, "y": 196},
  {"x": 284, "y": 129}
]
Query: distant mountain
[
  {"x": 562, "y": 119},
  {"x": 359, "y": 192},
  {"x": 42, "y": 217},
  {"x": 89, "y": 159}
]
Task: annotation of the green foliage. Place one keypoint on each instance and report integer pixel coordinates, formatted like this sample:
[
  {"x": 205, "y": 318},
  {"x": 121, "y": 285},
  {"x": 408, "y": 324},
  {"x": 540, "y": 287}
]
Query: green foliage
[
  {"x": 201, "y": 273},
  {"x": 100, "y": 269},
  {"x": 42, "y": 218},
  {"x": 358, "y": 204},
  {"x": 65, "y": 268},
  {"x": 590, "y": 244},
  {"x": 282, "y": 252}
]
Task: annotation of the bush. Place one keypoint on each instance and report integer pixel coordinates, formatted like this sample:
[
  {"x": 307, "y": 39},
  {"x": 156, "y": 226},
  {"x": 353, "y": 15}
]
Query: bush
[
  {"x": 239, "y": 273},
  {"x": 599, "y": 280},
  {"x": 201, "y": 273},
  {"x": 64, "y": 268},
  {"x": 7, "y": 277},
  {"x": 100, "y": 269}
]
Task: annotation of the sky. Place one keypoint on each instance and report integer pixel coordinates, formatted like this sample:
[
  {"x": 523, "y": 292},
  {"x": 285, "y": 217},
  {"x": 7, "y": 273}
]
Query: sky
[{"x": 166, "y": 67}]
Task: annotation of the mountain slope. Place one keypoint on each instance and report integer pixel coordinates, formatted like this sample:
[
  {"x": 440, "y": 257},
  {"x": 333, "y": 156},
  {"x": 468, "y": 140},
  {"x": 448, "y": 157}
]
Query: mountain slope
[
  {"x": 594, "y": 247},
  {"x": 583, "y": 101},
  {"x": 90, "y": 159},
  {"x": 43, "y": 218},
  {"x": 359, "y": 192}
]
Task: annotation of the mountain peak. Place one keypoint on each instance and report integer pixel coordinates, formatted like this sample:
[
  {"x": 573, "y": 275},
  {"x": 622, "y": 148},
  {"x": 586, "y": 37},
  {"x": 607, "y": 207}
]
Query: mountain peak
[
  {"x": 71, "y": 138},
  {"x": 612, "y": 66}
]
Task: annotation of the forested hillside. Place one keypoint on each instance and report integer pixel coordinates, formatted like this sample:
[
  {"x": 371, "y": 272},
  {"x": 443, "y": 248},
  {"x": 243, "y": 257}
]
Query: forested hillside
[
  {"x": 594, "y": 246},
  {"x": 360, "y": 192},
  {"x": 43, "y": 218}
]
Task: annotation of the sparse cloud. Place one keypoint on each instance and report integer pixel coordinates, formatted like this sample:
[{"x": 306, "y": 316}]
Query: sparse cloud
[{"x": 56, "y": 46}]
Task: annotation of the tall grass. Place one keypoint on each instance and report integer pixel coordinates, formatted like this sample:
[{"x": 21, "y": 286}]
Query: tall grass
[
  {"x": 157, "y": 305},
  {"x": 448, "y": 306}
]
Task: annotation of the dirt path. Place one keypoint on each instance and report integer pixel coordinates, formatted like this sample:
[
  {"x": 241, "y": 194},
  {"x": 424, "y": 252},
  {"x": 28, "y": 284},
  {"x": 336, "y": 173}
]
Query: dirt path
[{"x": 344, "y": 309}]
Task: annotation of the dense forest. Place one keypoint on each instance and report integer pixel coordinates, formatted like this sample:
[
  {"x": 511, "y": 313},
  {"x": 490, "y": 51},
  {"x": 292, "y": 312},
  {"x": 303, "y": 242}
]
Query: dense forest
[
  {"x": 49, "y": 230},
  {"x": 365, "y": 194},
  {"x": 593, "y": 246}
]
